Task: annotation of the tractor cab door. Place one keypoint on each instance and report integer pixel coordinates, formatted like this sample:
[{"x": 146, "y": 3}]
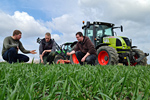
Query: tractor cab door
[{"x": 89, "y": 33}]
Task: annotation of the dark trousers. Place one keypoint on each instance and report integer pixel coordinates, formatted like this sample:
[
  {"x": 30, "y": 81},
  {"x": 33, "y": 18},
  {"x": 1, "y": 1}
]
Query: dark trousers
[
  {"x": 89, "y": 59},
  {"x": 12, "y": 56},
  {"x": 48, "y": 58}
]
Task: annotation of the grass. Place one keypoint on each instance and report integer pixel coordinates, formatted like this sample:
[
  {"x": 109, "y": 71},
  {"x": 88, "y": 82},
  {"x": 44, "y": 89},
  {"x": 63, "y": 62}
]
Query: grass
[{"x": 73, "y": 82}]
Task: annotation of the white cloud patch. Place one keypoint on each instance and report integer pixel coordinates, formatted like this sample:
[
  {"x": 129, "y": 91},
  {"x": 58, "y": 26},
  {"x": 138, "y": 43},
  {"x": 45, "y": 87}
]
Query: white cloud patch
[
  {"x": 23, "y": 22},
  {"x": 67, "y": 25}
]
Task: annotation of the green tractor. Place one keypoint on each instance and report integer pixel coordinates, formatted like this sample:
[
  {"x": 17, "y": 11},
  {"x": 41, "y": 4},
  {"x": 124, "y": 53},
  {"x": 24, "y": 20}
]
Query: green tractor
[
  {"x": 111, "y": 49},
  {"x": 61, "y": 52}
]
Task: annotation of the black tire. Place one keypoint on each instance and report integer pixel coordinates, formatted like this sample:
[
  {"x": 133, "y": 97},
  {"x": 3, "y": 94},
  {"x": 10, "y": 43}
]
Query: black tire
[
  {"x": 107, "y": 56},
  {"x": 138, "y": 54},
  {"x": 58, "y": 57}
]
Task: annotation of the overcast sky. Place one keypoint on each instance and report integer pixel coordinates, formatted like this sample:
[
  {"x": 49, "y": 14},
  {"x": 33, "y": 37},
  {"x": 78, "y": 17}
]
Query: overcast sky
[{"x": 63, "y": 18}]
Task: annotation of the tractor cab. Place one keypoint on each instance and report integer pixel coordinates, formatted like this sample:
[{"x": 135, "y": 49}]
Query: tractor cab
[{"x": 96, "y": 31}]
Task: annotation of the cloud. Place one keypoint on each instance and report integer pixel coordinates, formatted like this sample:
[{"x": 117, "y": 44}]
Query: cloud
[
  {"x": 134, "y": 10},
  {"x": 22, "y": 21},
  {"x": 67, "y": 25}
]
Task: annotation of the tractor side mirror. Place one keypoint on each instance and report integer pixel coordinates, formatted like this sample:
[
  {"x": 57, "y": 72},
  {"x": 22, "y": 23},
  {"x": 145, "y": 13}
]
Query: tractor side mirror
[
  {"x": 121, "y": 28},
  {"x": 130, "y": 42}
]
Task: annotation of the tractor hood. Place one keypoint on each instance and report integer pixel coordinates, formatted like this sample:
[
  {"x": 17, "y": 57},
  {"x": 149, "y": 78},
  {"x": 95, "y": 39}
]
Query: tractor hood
[{"x": 117, "y": 41}]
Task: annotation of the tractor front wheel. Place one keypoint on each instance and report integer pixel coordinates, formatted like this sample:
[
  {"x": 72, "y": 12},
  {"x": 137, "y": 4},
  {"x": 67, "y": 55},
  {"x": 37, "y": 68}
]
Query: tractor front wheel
[{"x": 107, "y": 56}]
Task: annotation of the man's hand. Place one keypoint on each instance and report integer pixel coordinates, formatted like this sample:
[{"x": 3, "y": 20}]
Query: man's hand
[
  {"x": 43, "y": 53},
  {"x": 33, "y": 52},
  {"x": 68, "y": 54},
  {"x": 17, "y": 48},
  {"x": 42, "y": 62},
  {"x": 83, "y": 59}
]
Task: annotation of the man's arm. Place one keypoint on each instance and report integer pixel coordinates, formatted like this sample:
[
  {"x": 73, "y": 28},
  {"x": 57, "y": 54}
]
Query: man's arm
[
  {"x": 45, "y": 52},
  {"x": 22, "y": 48},
  {"x": 41, "y": 57},
  {"x": 51, "y": 50},
  {"x": 70, "y": 53},
  {"x": 54, "y": 46},
  {"x": 83, "y": 59},
  {"x": 41, "y": 51},
  {"x": 90, "y": 46}
]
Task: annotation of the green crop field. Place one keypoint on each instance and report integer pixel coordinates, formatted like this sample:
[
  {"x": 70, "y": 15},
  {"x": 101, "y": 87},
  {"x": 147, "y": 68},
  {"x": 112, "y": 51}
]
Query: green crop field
[{"x": 26, "y": 81}]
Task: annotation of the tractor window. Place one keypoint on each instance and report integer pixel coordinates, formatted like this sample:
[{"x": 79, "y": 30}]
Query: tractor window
[
  {"x": 67, "y": 47},
  {"x": 99, "y": 33},
  {"x": 108, "y": 32},
  {"x": 89, "y": 33},
  {"x": 104, "y": 30}
]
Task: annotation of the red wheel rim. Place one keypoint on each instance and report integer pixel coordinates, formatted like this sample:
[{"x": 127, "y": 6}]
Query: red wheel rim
[
  {"x": 102, "y": 58},
  {"x": 74, "y": 58},
  {"x": 60, "y": 61}
]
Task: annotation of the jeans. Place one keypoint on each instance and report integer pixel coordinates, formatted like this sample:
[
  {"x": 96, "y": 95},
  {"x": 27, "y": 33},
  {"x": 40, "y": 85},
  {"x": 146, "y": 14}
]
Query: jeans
[
  {"x": 12, "y": 56},
  {"x": 89, "y": 59}
]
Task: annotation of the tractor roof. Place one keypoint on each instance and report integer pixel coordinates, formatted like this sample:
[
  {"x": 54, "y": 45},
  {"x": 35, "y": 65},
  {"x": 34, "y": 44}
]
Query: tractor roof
[{"x": 98, "y": 23}]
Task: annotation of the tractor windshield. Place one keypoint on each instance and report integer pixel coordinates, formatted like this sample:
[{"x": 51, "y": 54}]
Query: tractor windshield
[{"x": 103, "y": 30}]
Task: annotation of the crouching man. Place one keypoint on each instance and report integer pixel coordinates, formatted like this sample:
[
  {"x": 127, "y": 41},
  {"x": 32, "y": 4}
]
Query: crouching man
[
  {"x": 47, "y": 49},
  {"x": 11, "y": 45},
  {"x": 84, "y": 50}
]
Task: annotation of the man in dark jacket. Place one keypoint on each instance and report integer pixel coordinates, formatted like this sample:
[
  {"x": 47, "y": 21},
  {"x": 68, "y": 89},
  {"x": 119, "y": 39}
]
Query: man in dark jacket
[
  {"x": 47, "y": 49},
  {"x": 84, "y": 50},
  {"x": 11, "y": 46}
]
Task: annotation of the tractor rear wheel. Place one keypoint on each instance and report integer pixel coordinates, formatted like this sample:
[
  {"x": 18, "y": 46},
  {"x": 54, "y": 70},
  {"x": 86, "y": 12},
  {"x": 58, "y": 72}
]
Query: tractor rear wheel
[
  {"x": 57, "y": 58},
  {"x": 73, "y": 59},
  {"x": 107, "y": 56},
  {"x": 138, "y": 54}
]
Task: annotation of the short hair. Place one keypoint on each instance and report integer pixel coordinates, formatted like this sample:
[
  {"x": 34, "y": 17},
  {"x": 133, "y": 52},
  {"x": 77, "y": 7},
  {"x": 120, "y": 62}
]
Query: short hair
[
  {"x": 79, "y": 33},
  {"x": 16, "y": 32},
  {"x": 48, "y": 34}
]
